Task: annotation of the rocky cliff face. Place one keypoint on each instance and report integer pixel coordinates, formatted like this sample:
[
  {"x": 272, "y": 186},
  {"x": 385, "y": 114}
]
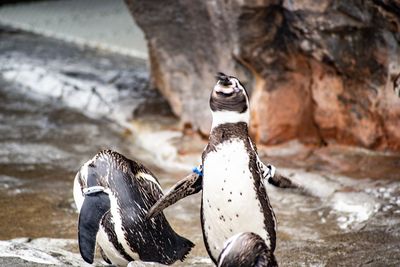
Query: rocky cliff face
[{"x": 319, "y": 71}]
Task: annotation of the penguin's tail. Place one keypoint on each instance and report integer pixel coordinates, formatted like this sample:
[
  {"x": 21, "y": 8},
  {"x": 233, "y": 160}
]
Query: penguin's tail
[{"x": 184, "y": 248}]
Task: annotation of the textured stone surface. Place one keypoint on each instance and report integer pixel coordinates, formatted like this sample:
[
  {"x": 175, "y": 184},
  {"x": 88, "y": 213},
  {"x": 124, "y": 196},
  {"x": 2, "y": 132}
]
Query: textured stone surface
[{"x": 319, "y": 71}]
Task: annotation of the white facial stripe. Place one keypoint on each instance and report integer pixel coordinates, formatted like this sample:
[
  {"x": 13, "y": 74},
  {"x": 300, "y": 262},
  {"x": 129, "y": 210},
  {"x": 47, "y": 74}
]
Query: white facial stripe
[
  {"x": 224, "y": 89},
  {"x": 236, "y": 83},
  {"x": 85, "y": 172},
  {"x": 77, "y": 191}
]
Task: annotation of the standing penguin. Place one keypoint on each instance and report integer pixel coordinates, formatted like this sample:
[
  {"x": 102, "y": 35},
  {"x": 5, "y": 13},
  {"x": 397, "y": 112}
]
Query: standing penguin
[
  {"x": 113, "y": 195},
  {"x": 234, "y": 197},
  {"x": 232, "y": 176}
]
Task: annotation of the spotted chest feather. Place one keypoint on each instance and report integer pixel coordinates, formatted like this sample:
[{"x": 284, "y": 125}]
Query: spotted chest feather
[{"x": 231, "y": 202}]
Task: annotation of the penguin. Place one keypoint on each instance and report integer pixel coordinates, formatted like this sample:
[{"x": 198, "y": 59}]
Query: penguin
[
  {"x": 231, "y": 177},
  {"x": 112, "y": 195},
  {"x": 247, "y": 250},
  {"x": 234, "y": 198}
]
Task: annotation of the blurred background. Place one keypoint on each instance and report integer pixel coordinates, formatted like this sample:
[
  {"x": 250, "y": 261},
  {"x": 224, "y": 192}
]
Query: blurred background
[{"x": 78, "y": 76}]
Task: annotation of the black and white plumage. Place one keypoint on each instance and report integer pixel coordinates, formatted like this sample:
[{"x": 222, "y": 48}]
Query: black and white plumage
[
  {"x": 234, "y": 197},
  {"x": 246, "y": 249},
  {"x": 113, "y": 195}
]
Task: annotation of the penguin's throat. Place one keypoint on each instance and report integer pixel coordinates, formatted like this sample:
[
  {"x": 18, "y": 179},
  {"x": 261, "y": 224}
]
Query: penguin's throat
[
  {"x": 227, "y": 131},
  {"x": 225, "y": 117}
]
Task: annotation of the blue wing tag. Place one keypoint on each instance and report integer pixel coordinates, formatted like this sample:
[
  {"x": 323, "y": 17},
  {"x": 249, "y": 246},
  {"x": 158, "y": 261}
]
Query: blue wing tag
[{"x": 198, "y": 171}]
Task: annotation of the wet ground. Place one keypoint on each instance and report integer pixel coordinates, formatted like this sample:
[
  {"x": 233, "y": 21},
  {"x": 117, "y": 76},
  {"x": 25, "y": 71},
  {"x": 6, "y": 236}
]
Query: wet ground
[
  {"x": 107, "y": 24},
  {"x": 348, "y": 215}
]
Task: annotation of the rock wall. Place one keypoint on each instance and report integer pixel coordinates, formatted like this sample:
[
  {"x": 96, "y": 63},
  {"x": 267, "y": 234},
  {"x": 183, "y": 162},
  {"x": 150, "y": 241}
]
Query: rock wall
[{"x": 319, "y": 71}]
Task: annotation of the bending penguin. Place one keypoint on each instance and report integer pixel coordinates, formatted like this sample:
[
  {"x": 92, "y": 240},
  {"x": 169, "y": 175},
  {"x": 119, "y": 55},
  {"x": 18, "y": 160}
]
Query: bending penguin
[
  {"x": 231, "y": 177},
  {"x": 246, "y": 249},
  {"x": 113, "y": 195}
]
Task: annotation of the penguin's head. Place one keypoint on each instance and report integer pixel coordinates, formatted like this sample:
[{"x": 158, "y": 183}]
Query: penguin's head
[
  {"x": 92, "y": 201},
  {"x": 229, "y": 101},
  {"x": 89, "y": 175},
  {"x": 246, "y": 249}
]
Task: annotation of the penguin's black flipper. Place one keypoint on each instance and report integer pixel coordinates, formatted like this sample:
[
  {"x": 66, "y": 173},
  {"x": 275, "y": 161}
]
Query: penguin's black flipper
[
  {"x": 93, "y": 208},
  {"x": 281, "y": 181},
  {"x": 273, "y": 177},
  {"x": 189, "y": 185}
]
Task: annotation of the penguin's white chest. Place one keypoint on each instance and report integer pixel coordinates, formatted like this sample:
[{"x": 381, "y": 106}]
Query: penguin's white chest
[{"x": 230, "y": 202}]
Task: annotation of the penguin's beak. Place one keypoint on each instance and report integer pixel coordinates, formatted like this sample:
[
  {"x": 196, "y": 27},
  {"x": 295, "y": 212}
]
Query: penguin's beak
[{"x": 223, "y": 79}]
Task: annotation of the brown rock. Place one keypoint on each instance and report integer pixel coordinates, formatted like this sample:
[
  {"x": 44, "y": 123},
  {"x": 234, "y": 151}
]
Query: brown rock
[
  {"x": 282, "y": 108},
  {"x": 320, "y": 71}
]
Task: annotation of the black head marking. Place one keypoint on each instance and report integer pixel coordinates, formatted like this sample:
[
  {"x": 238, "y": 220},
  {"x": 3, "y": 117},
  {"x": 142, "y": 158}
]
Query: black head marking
[{"x": 223, "y": 79}]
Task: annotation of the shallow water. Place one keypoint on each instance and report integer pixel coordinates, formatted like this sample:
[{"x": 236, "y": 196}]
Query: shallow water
[{"x": 348, "y": 214}]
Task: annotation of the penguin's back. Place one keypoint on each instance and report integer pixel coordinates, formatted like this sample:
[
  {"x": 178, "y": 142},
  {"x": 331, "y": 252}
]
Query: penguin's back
[
  {"x": 125, "y": 233},
  {"x": 134, "y": 191}
]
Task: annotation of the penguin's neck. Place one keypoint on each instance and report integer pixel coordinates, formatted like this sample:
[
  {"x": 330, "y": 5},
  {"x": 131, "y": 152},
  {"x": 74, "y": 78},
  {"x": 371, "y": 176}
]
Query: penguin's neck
[{"x": 229, "y": 117}]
